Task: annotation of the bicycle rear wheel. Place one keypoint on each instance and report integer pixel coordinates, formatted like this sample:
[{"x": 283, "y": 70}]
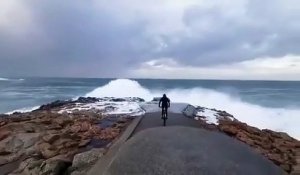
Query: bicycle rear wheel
[{"x": 164, "y": 117}]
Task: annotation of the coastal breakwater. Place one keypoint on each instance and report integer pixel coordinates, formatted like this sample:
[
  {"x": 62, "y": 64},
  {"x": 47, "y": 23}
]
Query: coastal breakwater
[{"x": 70, "y": 136}]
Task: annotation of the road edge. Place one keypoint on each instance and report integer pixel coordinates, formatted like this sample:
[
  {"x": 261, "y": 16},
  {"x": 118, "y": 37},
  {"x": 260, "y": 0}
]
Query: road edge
[{"x": 101, "y": 166}]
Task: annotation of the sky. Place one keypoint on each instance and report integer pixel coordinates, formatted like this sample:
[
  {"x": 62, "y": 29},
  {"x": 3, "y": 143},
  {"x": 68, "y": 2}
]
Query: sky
[{"x": 190, "y": 39}]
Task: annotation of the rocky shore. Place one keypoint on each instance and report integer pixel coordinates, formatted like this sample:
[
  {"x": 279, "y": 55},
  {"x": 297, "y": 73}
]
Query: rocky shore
[
  {"x": 278, "y": 147},
  {"x": 68, "y": 137},
  {"x": 59, "y": 138}
]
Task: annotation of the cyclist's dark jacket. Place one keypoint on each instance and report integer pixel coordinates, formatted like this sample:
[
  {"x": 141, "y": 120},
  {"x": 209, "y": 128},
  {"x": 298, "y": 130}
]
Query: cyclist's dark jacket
[{"x": 164, "y": 102}]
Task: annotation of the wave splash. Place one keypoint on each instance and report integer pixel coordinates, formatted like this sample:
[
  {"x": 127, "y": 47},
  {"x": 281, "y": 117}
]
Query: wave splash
[
  {"x": 278, "y": 119},
  {"x": 6, "y": 79}
]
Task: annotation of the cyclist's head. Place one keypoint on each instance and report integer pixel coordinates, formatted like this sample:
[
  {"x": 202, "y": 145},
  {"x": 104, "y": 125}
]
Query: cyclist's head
[{"x": 164, "y": 95}]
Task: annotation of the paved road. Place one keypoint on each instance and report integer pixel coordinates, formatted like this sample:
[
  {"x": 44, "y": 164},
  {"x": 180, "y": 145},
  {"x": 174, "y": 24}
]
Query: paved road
[
  {"x": 157, "y": 150},
  {"x": 151, "y": 120},
  {"x": 177, "y": 150}
]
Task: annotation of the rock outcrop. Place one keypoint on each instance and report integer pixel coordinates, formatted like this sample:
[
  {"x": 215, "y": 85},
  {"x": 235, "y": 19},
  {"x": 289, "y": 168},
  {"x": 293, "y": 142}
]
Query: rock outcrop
[
  {"x": 45, "y": 141},
  {"x": 278, "y": 147}
]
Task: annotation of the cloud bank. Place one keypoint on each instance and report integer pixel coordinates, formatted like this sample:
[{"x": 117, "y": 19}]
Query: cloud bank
[{"x": 100, "y": 38}]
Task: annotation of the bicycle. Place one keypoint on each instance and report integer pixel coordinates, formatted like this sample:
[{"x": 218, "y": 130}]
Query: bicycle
[{"x": 164, "y": 116}]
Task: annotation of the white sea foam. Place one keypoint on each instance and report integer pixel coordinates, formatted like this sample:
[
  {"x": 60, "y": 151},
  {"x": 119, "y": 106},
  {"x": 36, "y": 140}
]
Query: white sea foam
[
  {"x": 210, "y": 116},
  {"x": 278, "y": 119},
  {"x": 109, "y": 108},
  {"x": 23, "y": 110},
  {"x": 6, "y": 79}
]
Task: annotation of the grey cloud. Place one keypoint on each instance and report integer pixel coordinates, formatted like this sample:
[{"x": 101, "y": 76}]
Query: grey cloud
[
  {"x": 267, "y": 29},
  {"x": 74, "y": 38}
]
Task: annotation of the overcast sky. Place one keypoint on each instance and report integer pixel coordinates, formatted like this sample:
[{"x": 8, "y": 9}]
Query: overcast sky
[{"x": 215, "y": 39}]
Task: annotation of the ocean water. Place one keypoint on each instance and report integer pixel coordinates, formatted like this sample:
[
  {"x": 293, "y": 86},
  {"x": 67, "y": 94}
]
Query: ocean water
[{"x": 264, "y": 104}]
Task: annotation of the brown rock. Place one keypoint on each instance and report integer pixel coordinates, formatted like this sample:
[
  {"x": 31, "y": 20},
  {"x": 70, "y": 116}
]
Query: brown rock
[
  {"x": 63, "y": 157},
  {"x": 62, "y": 121},
  {"x": 51, "y": 138},
  {"x": 48, "y": 150},
  {"x": 81, "y": 126},
  {"x": 3, "y": 152},
  {"x": 54, "y": 126},
  {"x": 53, "y": 167},
  {"x": 10, "y": 157},
  {"x": 29, "y": 166},
  {"x": 109, "y": 133},
  {"x": 29, "y": 139},
  {"x": 229, "y": 130},
  {"x": 276, "y": 158},
  {"x": 61, "y": 142},
  {"x": 86, "y": 158},
  {"x": 29, "y": 127},
  {"x": 276, "y": 146},
  {"x": 2, "y": 123},
  {"x": 14, "y": 144},
  {"x": 286, "y": 167},
  {"x": 71, "y": 144},
  {"x": 46, "y": 121},
  {"x": 84, "y": 142},
  {"x": 4, "y": 134}
]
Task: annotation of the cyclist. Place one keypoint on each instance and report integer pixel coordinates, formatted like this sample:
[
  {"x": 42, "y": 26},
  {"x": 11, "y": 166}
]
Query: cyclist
[{"x": 164, "y": 104}]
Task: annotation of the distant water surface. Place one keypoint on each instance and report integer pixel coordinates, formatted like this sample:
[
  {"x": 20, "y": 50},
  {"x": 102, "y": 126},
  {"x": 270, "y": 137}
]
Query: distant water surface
[{"x": 28, "y": 92}]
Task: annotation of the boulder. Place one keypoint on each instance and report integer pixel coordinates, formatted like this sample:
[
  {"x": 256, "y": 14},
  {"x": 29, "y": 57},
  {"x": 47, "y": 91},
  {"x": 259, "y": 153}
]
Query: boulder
[
  {"x": 88, "y": 157},
  {"x": 190, "y": 111},
  {"x": 53, "y": 167}
]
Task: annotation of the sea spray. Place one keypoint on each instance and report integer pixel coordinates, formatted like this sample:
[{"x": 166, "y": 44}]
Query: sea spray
[{"x": 278, "y": 119}]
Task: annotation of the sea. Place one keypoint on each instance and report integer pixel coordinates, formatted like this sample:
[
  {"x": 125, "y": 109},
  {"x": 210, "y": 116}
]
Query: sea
[{"x": 264, "y": 104}]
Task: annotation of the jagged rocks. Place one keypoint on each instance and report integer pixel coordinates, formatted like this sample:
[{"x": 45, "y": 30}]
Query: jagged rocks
[
  {"x": 35, "y": 166},
  {"x": 53, "y": 167},
  {"x": 86, "y": 100},
  {"x": 50, "y": 138},
  {"x": 276, "y": 146},
  {"x": 30, "y": 166},
  {"x": 4, "y": 134},
  {"x": 45, "y": 142},
  {"x": 55, "y": 104},
  {"x": 47, "y": 150}
]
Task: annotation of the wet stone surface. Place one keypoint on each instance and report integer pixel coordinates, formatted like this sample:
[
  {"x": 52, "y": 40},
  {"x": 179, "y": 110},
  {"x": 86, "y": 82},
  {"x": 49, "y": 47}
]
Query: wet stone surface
[{"x": 55, "y": 137}]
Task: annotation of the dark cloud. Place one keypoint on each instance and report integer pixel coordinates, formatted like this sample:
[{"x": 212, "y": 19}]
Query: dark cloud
[
  {"x": 265, "y": 30},
  {"x": 78, "y": 38},
  {"x": 73, "y": 39}
]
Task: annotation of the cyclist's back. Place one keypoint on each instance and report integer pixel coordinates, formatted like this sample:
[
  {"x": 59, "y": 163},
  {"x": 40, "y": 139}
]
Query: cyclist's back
[{"x": 164, "y": 103}]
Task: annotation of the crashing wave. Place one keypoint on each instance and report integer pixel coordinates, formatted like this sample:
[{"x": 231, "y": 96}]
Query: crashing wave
[{"x": 278, "y": 119}]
